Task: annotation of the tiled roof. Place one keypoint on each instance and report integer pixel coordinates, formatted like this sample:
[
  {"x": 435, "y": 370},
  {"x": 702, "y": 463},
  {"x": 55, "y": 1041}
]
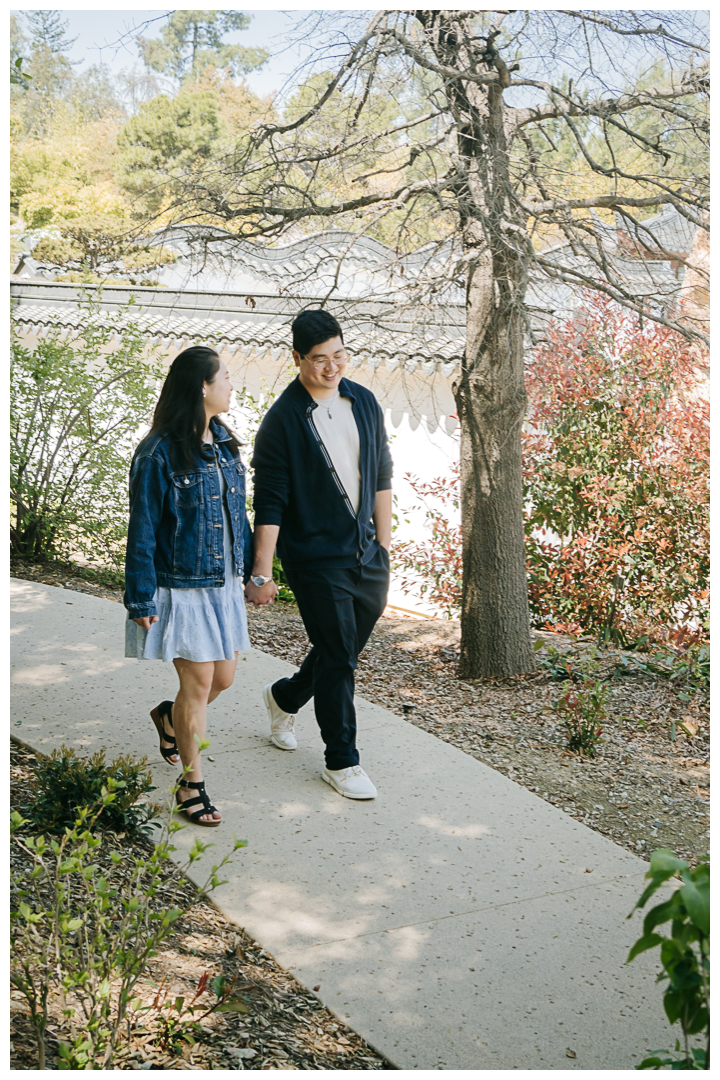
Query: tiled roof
[
  {"x": 243, "y": 298},
  {"x": 245, "y": 338},
  {"x": 671, "y": 231}
]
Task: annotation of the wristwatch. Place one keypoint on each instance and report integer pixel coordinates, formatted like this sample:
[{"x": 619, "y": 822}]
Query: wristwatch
[{"x": 259, "y": 580}]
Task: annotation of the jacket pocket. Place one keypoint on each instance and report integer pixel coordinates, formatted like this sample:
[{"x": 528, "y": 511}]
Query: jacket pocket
[
  {"x": 188, "y": 489},
  {"x": 188, "y": 555}
]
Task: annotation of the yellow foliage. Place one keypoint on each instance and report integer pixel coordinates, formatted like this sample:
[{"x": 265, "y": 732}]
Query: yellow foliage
[
  {"x": 68, "y": 173},
  {"x": 238, "y": 107},
  {"x": 65, "y": 202}
]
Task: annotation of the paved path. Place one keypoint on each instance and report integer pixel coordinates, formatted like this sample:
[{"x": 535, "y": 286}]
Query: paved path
[{"x": 453, "y": 922}]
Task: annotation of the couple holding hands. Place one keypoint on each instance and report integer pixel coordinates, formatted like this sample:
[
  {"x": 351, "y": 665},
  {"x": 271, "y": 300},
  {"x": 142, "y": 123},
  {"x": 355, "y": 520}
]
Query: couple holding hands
[{"x": 322, "y": 497}]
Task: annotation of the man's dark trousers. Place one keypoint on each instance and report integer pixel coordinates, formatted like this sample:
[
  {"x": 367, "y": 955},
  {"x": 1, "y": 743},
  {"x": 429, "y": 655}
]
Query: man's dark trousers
[{"x": 339, "y": 609}]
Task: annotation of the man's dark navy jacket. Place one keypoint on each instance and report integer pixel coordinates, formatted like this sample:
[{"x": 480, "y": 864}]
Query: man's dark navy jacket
[{"x": 296, "y": 488}]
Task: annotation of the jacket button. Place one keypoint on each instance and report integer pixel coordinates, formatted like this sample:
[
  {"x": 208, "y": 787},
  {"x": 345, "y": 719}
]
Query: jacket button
[
  {"x": 232, "y": 489},
  {"x": 186, "y": 480}
]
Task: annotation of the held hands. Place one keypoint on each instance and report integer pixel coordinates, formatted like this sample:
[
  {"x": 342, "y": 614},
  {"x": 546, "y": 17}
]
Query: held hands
[
  {"x": 147, "y": 621},
  {"x": 261, "y": 595}
]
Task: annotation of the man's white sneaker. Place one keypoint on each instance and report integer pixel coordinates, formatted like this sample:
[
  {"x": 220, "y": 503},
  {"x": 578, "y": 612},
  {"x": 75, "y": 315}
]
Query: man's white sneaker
[
  {"x": 353, "y": 782},
  {"x": 282, "y": 724}
]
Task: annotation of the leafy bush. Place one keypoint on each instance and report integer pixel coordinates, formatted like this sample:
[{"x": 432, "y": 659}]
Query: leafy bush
[
  {"x": 84, "y": 939},
  {"x": 64, "y": 784},
  {"x": 77, "y": 406},
  {"x": 616, "y": 477},
  {"x": 434, "y": 566},
  {"x": 616, "y": 483},
  {"x": 684, "y": 955}
]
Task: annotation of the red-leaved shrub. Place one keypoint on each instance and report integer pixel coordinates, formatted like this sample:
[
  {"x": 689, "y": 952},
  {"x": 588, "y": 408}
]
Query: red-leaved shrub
[
  {"x": 616, "y": 484},
  {"x": 616, "y": 457}
]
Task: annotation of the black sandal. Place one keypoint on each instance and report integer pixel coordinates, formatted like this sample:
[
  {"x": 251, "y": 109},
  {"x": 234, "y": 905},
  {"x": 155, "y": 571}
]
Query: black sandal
[
  {"x": 164, "y": 710},
  {"x": 201, "y": 797}
]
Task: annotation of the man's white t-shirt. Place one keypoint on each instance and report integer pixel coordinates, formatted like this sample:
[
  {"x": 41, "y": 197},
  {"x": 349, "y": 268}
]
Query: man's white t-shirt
[{"x": 338, "y": 430}]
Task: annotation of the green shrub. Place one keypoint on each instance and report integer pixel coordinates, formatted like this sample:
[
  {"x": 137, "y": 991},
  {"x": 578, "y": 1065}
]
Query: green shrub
[
  {"x": 64, "y": 783},
  {"x": 82, "y": 938},
  {"x": 688, "y": 668},
  {"x": 684, "y": 955},
  {"x": 76, "y": 408}
]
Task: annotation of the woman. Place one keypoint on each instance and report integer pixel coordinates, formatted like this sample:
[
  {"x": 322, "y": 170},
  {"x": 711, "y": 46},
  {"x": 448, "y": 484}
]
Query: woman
[{"x": 189, "y": 551}]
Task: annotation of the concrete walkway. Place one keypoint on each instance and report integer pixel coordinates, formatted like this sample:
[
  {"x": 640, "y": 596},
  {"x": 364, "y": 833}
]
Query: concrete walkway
[{"x": 456, "y": 922}]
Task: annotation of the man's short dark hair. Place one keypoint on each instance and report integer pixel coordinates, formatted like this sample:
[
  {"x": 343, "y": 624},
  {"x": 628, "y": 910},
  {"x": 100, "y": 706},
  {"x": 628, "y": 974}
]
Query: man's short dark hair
[{"x": 312, "y": 327}]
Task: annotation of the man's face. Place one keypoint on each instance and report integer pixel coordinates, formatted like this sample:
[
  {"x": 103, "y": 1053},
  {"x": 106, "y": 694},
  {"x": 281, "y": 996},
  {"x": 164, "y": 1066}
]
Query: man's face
[{"x": 323, "y": 367}]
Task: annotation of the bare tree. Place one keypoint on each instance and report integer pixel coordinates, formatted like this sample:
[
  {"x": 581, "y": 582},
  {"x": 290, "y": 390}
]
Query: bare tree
[{"x": 510, "y": 143}]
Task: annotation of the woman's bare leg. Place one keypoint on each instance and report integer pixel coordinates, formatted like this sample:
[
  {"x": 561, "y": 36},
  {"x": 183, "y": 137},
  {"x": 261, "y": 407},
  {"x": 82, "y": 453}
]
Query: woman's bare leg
[
  {"x": 223, "y": 677},
  {"x": 190, "y": 720},
  {"x": 199, "y": 685}
]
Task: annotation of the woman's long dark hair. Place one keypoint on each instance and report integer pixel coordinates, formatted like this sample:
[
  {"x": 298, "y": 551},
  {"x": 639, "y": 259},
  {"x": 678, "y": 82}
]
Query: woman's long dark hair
[{"x": 180, "y": 411}]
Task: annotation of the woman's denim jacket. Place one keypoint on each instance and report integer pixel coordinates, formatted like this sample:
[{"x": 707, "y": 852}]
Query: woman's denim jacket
[{"x": 175, "y": 535}]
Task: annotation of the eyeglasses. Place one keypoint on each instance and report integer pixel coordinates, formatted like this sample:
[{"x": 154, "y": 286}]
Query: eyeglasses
[{"x": 338, "y": 360}]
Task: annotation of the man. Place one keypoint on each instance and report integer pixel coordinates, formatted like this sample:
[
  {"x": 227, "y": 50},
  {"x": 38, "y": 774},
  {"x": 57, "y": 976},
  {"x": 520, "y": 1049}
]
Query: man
[{"x": 322, "y": 494}]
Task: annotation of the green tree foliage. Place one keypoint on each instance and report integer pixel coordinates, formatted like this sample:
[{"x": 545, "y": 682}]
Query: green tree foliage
[
  {"x": 50, "y": 71},
  {"x": 321, "y": 174},
  {"x": 76, "y": 409},
  {"x": 95, "y": 95},
  {"x": 170, "y": 137},
  {"x": 165, "y": 135},
  {"x": 190, "y": 40},
  {"x": 18, "y": 55},
  {"x": 47, "y": 29}
]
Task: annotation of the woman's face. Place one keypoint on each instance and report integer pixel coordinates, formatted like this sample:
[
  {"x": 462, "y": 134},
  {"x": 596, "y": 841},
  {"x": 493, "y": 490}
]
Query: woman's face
[{"x": 218, "y": 392}]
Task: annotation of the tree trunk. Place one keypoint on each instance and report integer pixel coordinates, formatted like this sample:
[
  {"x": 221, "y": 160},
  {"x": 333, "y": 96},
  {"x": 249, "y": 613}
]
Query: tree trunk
[
  {"x": 491, "y": 401},
  {"x": 490, "y": 395}
]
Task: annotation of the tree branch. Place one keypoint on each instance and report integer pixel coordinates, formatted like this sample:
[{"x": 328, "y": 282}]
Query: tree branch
[
  {"x": 600, "y": 107},
  {"x": 659, "y": 31}
]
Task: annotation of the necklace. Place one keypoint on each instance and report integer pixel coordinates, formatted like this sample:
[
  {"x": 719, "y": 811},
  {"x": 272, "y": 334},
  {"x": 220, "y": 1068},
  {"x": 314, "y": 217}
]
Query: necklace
[{"x": 328, "y": 407}]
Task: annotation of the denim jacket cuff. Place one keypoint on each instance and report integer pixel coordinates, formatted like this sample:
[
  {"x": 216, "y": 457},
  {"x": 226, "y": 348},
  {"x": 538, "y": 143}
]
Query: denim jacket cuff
[{"x": 140, "y": 611}]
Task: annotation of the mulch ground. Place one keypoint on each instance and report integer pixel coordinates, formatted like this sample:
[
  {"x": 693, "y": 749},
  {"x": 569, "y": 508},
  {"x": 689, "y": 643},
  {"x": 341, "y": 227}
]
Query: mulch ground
[{"x": 282, "y": 1026}]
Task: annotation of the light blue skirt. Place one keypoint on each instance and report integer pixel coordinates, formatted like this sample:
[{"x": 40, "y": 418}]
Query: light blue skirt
[{"x": 196, "y": 624}]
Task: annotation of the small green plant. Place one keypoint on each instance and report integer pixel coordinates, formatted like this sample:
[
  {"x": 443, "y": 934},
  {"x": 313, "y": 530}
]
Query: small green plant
[
  {"x": 684, "y": 955},
  {"x": 64, "y": 783},
  {"x": 688, "y": 668},
  {"x": 561, "y": 665},
  {"x": 83, "y": 939},
  {"x": 179, "y": 1020},
  {"x": 582, "y": 713},
  {"x": 284, "y": 590}
]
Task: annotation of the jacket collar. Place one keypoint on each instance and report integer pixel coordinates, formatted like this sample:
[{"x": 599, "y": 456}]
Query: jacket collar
[
  {"x": 300, "y": 394},
  {"x": 220, "y": 434}
]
